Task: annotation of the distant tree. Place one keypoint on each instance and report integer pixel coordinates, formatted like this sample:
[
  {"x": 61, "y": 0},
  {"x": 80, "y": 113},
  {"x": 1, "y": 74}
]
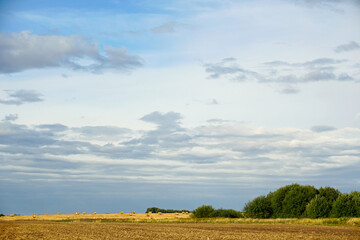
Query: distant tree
[
  {"x": 346, "y": 205},
  {"x": 318, "y": 207},
  {"x": 153, "y": 210},
  {"x": 277, "y": 199},
  {"x": 2, "y": 215},
  {"x": 205, "y": 211},
  {"x": 156, "y": 210},
  {"x": 260, "y": 207},
  {"x": 291, "y": 200},
  {"x": 331, "y": 194},
  {"x": 356, "y": 198},
  {"x": 295, "y": 201}
]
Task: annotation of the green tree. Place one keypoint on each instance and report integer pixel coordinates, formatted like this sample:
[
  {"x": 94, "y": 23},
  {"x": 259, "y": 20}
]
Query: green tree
[
  {"x": 260, "y": 207},
  {"x": 331, "y": 194},
  {"x": 156, "y": 210},
  {"x": 205, "y": 211},
  {"x": 277, "y": 199},
  {"x": 346, "y": 205},
  {"x": 153, "y": 210},
  {"x": 318, "y": 207},
  {"x": 356, "y": 198},
  {"x": 295, "y": 201}
]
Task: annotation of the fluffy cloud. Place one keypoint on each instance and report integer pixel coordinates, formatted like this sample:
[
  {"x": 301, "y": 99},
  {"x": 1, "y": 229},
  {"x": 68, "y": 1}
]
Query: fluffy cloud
[
  {"x": 22, "y": 96},
  {"x": 25, "y": 50}
]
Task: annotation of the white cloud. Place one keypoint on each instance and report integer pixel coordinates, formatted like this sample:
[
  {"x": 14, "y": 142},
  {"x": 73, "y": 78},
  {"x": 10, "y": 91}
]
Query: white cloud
[
  {"x": 21, "y": 96},
  {"x": 281, "y": 72},
  {"x": 25, "y": 50},
  {"x": 351, "y": 46},
  {"x": 11, "y": 117}
]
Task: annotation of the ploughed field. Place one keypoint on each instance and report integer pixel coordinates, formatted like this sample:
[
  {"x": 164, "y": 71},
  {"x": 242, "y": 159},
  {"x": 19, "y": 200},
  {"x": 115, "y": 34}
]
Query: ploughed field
[{"x": 125, "y": 230}]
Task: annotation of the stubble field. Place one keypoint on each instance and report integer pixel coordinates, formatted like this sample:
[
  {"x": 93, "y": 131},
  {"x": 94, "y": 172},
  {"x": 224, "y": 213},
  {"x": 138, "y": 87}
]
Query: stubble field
[{"x": 120, "y": 230}]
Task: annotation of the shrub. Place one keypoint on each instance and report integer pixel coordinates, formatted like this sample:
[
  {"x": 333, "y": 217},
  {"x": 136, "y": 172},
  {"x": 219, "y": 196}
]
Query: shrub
[
  {"x": 346, "y": 205},
  {"x": 260, "y": 207},
  {"x": 2, "y": 215},
  {"x": 226, "y": 213},
  {"x": 156, "y": 210},
  {"x": 318, "y": 207},
  {"x": 205, "y": 211}
]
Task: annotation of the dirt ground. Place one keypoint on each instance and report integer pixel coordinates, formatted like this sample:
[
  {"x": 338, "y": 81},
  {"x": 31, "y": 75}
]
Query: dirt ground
[{"x": 112, "y": 230}]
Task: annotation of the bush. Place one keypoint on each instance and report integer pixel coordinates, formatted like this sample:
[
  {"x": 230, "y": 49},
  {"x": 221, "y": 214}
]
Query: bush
[
  {"x": 260, "y": 207},
  {"x": 318, "y": 207},
  {"x": 226, "y": 213},
  {"x": 2, "y": 215},
  {"x": 205, "y": 211},
  {"x": 156, "y": 210}
]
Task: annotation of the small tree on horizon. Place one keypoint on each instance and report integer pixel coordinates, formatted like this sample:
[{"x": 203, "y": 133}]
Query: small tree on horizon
[{"x": 204, "y": 211}]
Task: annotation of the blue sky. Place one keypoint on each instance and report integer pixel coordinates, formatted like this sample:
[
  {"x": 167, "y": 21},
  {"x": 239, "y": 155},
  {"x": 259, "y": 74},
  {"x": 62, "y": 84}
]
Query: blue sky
[{"x": 112, "y": 106}]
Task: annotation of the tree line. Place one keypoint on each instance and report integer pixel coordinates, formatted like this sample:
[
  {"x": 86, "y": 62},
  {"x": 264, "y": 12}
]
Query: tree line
[
  {"x": 296, "y": 201},
  {"x": 157, "y": 210},
  {"x": 293, "y": 201}
]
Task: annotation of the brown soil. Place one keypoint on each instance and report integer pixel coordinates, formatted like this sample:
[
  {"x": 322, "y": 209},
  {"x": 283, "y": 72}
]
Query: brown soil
[{"x": 112, "y": 230}]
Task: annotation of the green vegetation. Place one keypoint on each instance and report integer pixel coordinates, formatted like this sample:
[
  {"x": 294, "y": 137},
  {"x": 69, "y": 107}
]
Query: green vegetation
[
  {"x": 207, "y": 211},
  {"x": 346, "y": 205},
  {"x": 260, "y": 207},
  {"x": 156, "y": 210},
  {"x": 319, "y": 207},
  {"x": 297, "y": 201},
  {"x": 2, "y": 215}
]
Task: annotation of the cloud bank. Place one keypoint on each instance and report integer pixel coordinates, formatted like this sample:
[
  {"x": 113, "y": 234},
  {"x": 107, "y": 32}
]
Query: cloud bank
[{"x": 219, "y": 152}]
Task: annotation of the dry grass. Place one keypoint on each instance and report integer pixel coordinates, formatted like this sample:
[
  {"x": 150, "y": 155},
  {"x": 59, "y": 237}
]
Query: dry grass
[
  {"x": 84, "y": 216},
  {"x": 178, "y": 218}
]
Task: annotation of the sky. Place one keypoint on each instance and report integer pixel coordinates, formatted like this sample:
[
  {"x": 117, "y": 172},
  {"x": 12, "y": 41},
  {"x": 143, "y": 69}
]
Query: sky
[{"x": 121, "y": 105}]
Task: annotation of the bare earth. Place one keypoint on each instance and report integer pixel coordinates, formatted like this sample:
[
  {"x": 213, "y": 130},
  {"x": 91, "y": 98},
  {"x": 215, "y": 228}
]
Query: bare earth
[{"x": 112, "y": 230}]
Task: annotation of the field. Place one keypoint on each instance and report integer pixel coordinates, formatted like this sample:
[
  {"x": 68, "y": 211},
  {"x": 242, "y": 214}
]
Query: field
[
  {"x": 172, "y": 226},
  {"x": 94, "y": 216},
  {"x": 113, "y": 230}
]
